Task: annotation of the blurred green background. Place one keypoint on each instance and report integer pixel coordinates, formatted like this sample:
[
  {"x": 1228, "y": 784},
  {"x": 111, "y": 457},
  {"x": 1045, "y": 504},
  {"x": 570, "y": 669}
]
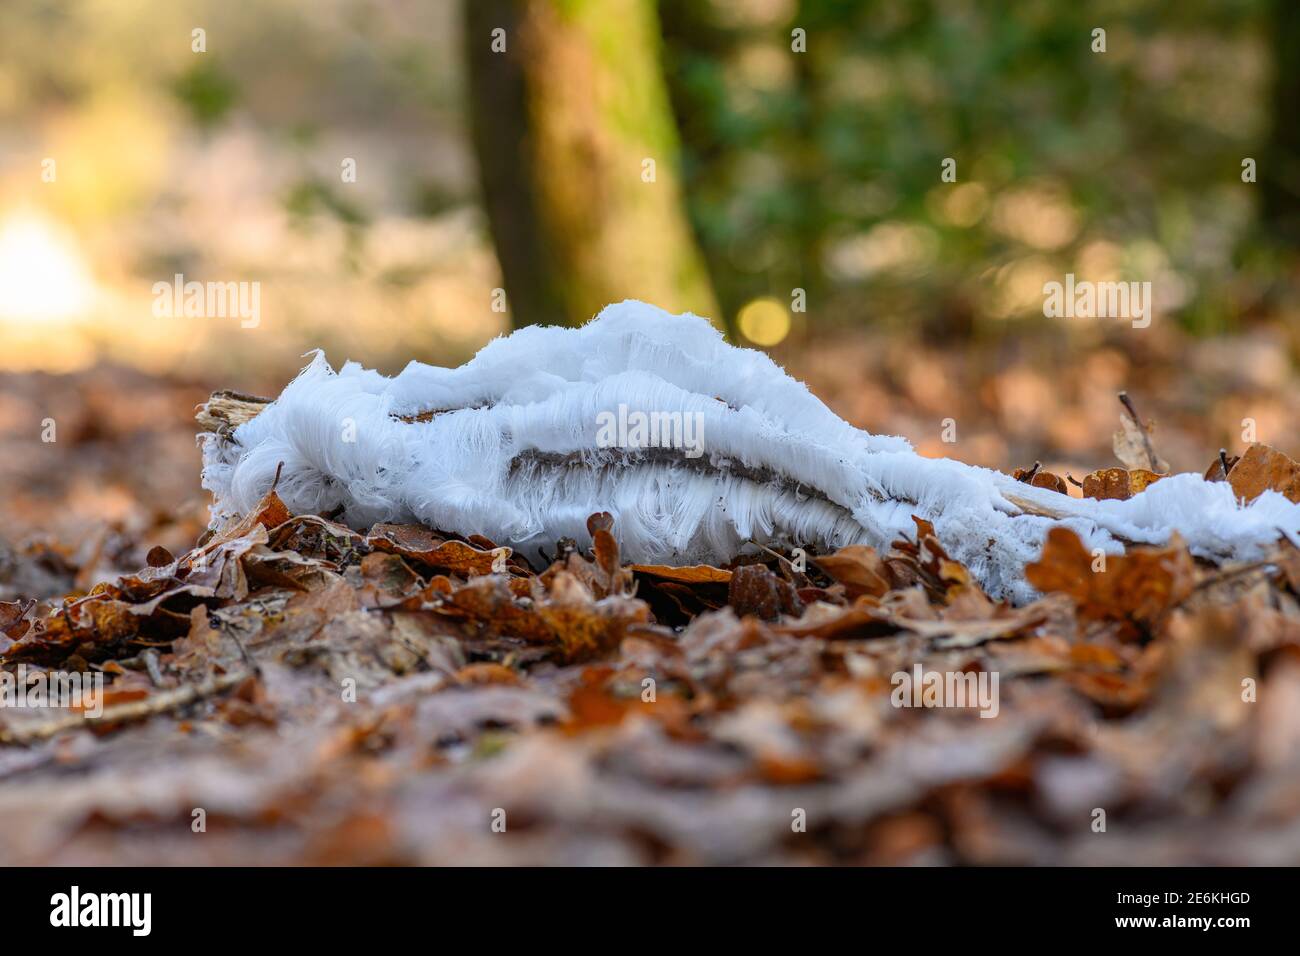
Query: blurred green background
[{"x": 776, "y": 170}]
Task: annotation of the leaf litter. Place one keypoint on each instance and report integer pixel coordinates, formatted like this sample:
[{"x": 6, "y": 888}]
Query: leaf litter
[{"x": 325, "y": 696}]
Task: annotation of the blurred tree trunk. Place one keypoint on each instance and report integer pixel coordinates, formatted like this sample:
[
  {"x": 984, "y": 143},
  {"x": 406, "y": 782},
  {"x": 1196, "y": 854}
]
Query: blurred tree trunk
[
  {"x": 563, "y": 123},
  {"x": 1279, "y": 169}
]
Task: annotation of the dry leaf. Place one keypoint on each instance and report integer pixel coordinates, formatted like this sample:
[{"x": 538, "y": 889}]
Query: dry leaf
[
  {"x": 1134, "y": 447},
  {"x": 1117, "y": 483},
  {"x": 859, "y": 568},
  {"x": 1263, "y": 468},
  {"x": 1135, "y": 588},
  {"x": 420, "y": 544},
  {"x": 689, "y": 574}
]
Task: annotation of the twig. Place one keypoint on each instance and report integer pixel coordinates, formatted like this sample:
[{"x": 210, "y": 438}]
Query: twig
[
  {"x": 160, "y": 703},
  {"x": 1142, "y": 430},
  {"x": 150, "y": 658},
  {"x": 1227, "y": 574},
  {"x": 1028, "y": 477},
  {"x": 233, "y": 632},
  {"x": 786, "y": 565}
]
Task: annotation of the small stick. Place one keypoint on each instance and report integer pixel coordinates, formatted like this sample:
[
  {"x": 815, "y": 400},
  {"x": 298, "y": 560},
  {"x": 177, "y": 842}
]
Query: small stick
[
  {"x": 160, "y": 703},
  {"x": 1146, "y": 439},
  {"x": 150, "y": 657},
  {"x": 255, "y": 667},
  {"x": 1028, "y": 476},
  {"x": 1223, "y": 461},
  {"x": 785, "y": 563}
]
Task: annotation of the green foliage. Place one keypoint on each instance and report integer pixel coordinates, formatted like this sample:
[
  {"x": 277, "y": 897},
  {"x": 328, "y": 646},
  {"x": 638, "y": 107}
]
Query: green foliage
[
  {"x": 207, "y": 91},
  {"x": 821, "y": 169},
  {"x": 311, "y": 196}
]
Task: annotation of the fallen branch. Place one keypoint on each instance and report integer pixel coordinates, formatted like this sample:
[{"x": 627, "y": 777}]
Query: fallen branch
[
  {"x": 715, "y": 448},
  {"x": 130, "y": 711}
]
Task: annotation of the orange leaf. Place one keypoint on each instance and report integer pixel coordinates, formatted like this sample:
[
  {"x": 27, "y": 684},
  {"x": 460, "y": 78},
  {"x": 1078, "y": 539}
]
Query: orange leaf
[
  {"x": 1118, "y": 484},
  {"x": 859, "y": 568},
  {"x": 1135, "y": 588},
  {"x": 420, "y": 544},
  {"x": 1263, "y": 468},
  {"x": 691, "y": 574}
]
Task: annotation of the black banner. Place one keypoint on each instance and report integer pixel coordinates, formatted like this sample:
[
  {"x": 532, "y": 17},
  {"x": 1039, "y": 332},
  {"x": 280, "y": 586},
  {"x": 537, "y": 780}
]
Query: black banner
[{"x": 333, "y": 906}]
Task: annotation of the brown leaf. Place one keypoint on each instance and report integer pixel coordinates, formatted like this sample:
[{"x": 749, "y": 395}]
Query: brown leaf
[
  {"x": 315, "y": 537},
  {"x": 1050, "y": 481},
  {"x": 1116, "y": 483},
  {"x": 418, "y": 543},
  {"x": 690, "y": 574},
  {"x": 1263, "y": 468},
  {"x": 12, "y": 613},
  {"x": 611, "y": 579},
  {"x": 1133, "y": 445},
  {"x": 926, "y": 563},
  {"x": 864, "y": 619},
  {"x": 1041, "y": 479},
  {"x": 1135, "y": 588},
  {"x": 389, "y": 580},
  {"x": 283, "y": 569},
  {"x": 859, "y": 568},
  {"x": 604, "y": 696},
  {"x": 1216, "y": 471},
  {"x": 567, "y": 621},
  {"x": 270, "y": 513},
  {"x": 756, "y": 590}
]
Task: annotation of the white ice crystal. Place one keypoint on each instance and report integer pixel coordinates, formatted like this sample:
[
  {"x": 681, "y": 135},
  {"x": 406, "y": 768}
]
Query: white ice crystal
[{"x": 507, "y": 446}]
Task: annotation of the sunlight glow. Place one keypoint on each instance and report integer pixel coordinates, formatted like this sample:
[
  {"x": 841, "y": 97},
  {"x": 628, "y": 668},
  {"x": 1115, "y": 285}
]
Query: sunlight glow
[{"x": 42, "y": 275}]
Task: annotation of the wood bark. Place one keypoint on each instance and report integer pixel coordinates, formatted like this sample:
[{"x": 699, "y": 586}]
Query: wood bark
[{"x": 566, "y": 122}]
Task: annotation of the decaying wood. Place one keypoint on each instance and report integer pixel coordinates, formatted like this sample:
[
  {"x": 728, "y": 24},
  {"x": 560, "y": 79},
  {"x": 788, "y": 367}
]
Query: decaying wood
[
  {"x": 227, "y": 409},
  {"x": 523, "y": 439}
]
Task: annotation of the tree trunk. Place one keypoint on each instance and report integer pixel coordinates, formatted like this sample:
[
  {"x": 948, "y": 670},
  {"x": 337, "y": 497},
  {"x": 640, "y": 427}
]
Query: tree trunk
[
  {"x": 1279, "y": 169},
  {"x": 577, "y": 152}
]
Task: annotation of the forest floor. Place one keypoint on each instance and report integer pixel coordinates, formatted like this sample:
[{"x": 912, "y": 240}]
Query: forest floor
[{"x": 296, "y": 692}]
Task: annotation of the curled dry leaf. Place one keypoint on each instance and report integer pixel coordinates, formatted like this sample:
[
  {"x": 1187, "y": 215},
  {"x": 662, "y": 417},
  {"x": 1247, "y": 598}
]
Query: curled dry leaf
[
  {"x": 690, "y": 574},
  {"x": 610, "y": 577},
  {"x": 1039, "y": 478},
  {"x": 13, "y": 623},
  {"x": 1117, "y": 483},
  {"x": 1221, "y": 467},
  {"x": 1134, "y": 589},
  {"x": 270, "y": 513},
  {"x": 418, "y": 543},
  {"x": 758, "y": 591},
  {"x": 859, "y": 568},
  {"x": 563, "y": 617},
  {"x": 926, "y": 563}
]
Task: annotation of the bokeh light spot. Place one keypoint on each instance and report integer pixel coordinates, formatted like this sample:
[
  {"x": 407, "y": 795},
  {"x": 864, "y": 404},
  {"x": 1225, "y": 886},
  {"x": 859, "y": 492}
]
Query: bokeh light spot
[{"x": 764, "y": 322}]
